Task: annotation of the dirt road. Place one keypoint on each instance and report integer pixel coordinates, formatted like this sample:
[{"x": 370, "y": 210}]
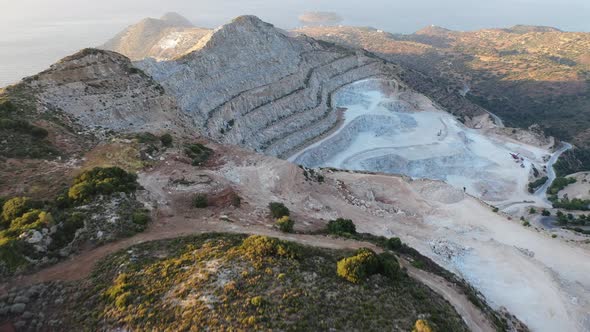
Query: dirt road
[{"x": 473, "y": 317}]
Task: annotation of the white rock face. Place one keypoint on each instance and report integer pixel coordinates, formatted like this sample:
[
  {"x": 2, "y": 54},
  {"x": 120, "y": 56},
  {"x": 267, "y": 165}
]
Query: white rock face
[
  {"x": 162, "y": 39},
  {"x": 391, "y": 130},
  {"x": 103, "y": 91},
  {"x": 251, "y": 84}
]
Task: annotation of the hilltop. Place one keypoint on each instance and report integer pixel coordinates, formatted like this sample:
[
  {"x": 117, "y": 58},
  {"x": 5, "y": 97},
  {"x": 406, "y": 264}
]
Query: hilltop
[{"x": 162, "y": 38}]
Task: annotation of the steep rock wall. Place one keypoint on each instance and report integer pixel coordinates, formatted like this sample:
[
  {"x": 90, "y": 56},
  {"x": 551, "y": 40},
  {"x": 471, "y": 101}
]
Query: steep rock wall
[
  {"x": 251, "y": 84},
  {"x": 103, "y": 91}
]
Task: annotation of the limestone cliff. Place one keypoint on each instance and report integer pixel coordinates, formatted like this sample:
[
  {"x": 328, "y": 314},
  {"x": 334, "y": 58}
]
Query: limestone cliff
[
  {"x": 102, "y": 91},
  {"x": 252, "y": 84}
]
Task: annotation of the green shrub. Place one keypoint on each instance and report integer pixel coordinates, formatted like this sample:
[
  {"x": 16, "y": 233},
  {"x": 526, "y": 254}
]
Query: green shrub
[
  {"x": 198, "y": 153},
  {"x": 119, "y": 293},
  {"x": 259, "y": 246},
  {"x": 7, "y": 108},
  {"x": 545, "y": 213},
  {"x": 419, "y": 264},
  {"x": 166, "y": 140},
  {"x": 285, "y": 224},
  {"x": 536, "y": 184},
  {"x": 393, "y": 243},
  {"x": 532, "y": 211},
  {"x": 341, "y": 226},
  {"x": 389, "y": 266},
  {"x": 146, "y": 138},
  {"x": 140, "y": 217},
  {"x": 257, "y": 301},
  {"x": 573, "y": 204},
  {"x": 358, "y": 267},
  {"x": 11, "y": 253},
  {"x": 66, "y": 231},
  {"x": 101, "y": 181},
  {"x": 80, "y": 192},
  {"x": 278, "y": 210},
  {"x": 15, "y": 207},
  {"x": 422, "y": 326},
  {"x": 24, "y": 127},
  {"x": 38, "y": 132},
  {"x": 560, "y": 183},
  {"x": 30, "y": 220},
  {"x": 236, "y": 200},
  {"x": 200, "y": 201}
]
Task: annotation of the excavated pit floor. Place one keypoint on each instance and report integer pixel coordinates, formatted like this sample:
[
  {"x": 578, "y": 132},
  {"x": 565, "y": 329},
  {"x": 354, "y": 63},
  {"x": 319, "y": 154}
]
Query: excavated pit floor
[{"x": 385, "y": 130}]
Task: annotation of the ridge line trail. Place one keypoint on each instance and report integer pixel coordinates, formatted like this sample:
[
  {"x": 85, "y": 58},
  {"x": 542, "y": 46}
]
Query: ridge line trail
[{"x": 80, "y": 266}]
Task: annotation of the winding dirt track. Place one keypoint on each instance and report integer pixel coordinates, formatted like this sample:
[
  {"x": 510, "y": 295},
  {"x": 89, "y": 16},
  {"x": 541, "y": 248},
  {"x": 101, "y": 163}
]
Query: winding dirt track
[{"x": 80, "y": 266}]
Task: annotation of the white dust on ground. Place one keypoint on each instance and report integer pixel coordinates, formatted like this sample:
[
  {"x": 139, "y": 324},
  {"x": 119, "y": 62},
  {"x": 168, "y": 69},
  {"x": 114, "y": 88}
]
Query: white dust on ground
[{"x": 396, "y": 132}]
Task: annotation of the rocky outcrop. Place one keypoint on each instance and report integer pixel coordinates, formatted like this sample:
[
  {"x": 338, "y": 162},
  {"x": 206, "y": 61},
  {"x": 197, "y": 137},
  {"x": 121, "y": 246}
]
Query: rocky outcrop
[
  {"x": 252, "y": 84},
  {"x": 102, "y": 91},
  {"x": 164, "y": 38}
]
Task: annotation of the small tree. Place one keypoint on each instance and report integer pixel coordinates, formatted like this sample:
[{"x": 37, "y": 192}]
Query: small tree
[
  {"x": 532, "y": 211},
  {"x": 358, "y": 267},
  {"x": 278, "y": 210},
  {"x": 285, "y": 224},
  {"x": 393, "y": 243},
  {"x": 389, "y": 266},
  {"x": 422, "y": 326},
  {"x": 341, "y": 226},
  {"x": 200, "y": 201},
  {"x": 166, "y": 140}
]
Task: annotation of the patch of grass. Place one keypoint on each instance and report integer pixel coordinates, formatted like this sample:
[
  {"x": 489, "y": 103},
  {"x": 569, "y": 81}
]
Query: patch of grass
[{"x": 198, "y": 153}]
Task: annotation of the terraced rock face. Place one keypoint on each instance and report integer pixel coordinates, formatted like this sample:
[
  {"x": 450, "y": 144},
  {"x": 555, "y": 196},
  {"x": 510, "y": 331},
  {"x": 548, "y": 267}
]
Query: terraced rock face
[
  {"x": 101, "y": 90},
  {"x": 394, "y": 131},
  {"x": 164, "y": 38},
  {"x": 251, "y": 84}
]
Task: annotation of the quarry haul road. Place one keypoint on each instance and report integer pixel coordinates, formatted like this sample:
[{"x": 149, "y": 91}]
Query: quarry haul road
[
  {"x": 551, "y": 175},
  {"x": 80, "y": 266}
]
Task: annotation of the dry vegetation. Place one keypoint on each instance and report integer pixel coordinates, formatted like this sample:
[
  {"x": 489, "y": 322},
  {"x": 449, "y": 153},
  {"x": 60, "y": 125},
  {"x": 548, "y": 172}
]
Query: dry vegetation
[{"x": 221, "y": 281}]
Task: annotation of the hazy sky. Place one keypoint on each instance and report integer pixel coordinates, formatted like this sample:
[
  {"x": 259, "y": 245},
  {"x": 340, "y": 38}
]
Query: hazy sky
[
  {"x": 36, "y": 33},
  {"x": 391, "y": 15}
]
